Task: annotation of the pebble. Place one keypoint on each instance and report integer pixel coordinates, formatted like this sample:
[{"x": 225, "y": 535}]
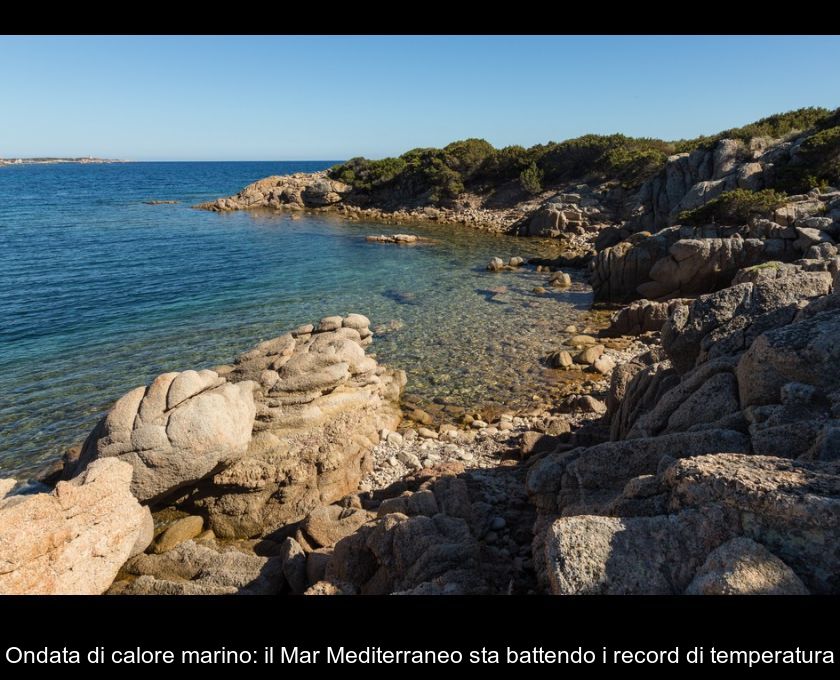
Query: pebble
[
  {"x": 590, "y": 355},
  {"x": 427, "y": 445},
  {"x": 465, "y": 455},
  {"x": 420, "y": 416},
  {"x": 409, "y": 434},
  {"x": 393, "y": 462},
  {"x": 498, "y": 523},
  {"x": 505, "y": 425},
  {"x": 581, "y": 341},
  {"x": 604, "y": 364},
  {"x": 491, "y": 431},
  {"x": 409, "y": 459},
  {"x": 478, "y": 424},
  {"x": 426, "y": 433},
  {"x": 395, "y": 439}
]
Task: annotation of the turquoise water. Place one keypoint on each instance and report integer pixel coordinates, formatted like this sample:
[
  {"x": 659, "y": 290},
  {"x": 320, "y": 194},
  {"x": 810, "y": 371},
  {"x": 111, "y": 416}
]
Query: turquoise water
[{"x": 100, "y": 292}]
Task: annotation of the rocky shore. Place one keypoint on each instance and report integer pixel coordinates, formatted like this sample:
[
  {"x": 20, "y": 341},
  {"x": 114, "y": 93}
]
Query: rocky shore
[{"x": 694, "y": 447}]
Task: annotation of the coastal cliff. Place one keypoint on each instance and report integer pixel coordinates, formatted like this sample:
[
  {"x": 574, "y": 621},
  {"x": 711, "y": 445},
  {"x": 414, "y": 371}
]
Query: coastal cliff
[{"x": 694, "y": 447}]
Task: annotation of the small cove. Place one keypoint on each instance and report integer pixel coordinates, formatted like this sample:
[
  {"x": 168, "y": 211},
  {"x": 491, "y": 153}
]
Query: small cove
[{"x": 102, "y": 292}]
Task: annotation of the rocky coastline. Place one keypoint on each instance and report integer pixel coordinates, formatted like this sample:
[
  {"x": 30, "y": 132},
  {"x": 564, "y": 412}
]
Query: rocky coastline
[{"x": 693, "y": 449}]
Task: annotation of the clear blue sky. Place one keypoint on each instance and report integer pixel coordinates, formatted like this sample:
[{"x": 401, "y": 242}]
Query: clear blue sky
[{"x": 273, "y": 98}]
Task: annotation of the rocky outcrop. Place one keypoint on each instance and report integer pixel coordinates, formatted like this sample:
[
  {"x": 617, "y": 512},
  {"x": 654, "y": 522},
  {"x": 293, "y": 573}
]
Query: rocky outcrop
[
  {"x": 423, "y": 541},
  {"x": 787, "y": 510},
  {"x": 293, "y": 192},
  {"x": 259, "y": 444},
  {"x": 806, "y": 352},
  {"x": 696, "y": 266},
  {"x": 578, "y": 210},
  {"x": 321, "y": 404},
  {"x": 635, "y": 388},
  {"x": 680, "y": 260},
  {"x": 73, "y": 540},
  {"x": 690, "y": 180},
  {"x": 751, "y": 377}
]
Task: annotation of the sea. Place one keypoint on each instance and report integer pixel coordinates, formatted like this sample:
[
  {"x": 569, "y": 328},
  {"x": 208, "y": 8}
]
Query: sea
[{"x": 101, "y": 291}]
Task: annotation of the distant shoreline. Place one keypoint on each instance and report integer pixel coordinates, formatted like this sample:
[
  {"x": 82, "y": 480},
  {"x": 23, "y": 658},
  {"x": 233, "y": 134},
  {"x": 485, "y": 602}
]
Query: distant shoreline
[{"x": 53, "y": 161}]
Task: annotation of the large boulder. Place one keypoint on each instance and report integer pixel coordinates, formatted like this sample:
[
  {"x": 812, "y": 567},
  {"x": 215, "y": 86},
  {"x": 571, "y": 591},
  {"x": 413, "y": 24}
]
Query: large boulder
[
  {"x": 695, "y": 266},
  {"x": 592, "y": 555},
  {"x": 743, "y": 567},
  {"x": 176, "y": 431},
  {"x": 73, "y": 540},
  {"x": 726, "y": 523}
]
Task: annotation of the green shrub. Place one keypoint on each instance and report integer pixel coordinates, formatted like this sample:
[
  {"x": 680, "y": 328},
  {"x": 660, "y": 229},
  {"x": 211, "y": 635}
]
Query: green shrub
[
  {"x": 815, "y": 164},
  {"x": 734, "y": 207},
  {"x": 531, "y": 179},
  {"x": 366, "y": 175},
  {"x": 467, "y": 156},
  {"x": 776, "y": 126}
]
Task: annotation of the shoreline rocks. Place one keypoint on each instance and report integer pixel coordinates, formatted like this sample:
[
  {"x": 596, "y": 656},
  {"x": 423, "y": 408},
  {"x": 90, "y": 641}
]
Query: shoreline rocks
[
  {"x": 258, "y": 445},
  {"x": 73, "y": 540}
]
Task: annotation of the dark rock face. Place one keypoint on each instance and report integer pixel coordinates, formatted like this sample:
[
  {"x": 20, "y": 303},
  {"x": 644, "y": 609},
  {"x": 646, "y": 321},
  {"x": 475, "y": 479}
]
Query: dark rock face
[
  {"x": 727, "y": 322},
  {"x": 723, "y": 473}
]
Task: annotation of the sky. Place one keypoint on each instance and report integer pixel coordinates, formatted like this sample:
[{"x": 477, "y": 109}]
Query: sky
[{"x": 335, "y": 97}]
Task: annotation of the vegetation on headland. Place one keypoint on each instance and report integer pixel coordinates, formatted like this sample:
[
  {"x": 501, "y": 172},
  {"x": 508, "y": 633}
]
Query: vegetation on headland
[
  {"x": 777, "y": 126},
  {"x": 734, "y": 207},
  {"x": 475, "y": 165}
]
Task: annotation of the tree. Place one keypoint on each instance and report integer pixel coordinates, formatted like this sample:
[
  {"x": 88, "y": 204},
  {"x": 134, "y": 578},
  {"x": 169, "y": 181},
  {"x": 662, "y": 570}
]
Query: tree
[{"x": 531, "y": 179}]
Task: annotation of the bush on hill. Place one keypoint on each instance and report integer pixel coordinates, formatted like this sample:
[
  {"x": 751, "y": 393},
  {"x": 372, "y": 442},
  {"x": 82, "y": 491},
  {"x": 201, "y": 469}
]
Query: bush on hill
[{"x": 734, "y": 207}]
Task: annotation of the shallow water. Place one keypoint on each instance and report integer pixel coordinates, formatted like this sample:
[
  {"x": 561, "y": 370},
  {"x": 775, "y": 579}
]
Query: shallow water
[{"x": 100, "y": 292}]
